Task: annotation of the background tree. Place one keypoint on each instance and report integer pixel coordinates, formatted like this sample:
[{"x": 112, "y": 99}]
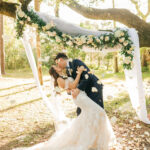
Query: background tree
[
  {"x": 2, "y": 53},
  {"x": 123, "y": 16},
  {"x": 137, "y": 4},
  {"x": 115, "y": 54},
  {"x": 39, "y": 63}
]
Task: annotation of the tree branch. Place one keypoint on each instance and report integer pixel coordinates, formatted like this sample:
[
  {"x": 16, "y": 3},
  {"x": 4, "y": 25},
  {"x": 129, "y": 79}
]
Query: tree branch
[
  {"x": 148, "y": 12},
  {"x": 149, "y": 6},
  {"x": 121, "y": 15},
  {"x": 8, "y": 9}
]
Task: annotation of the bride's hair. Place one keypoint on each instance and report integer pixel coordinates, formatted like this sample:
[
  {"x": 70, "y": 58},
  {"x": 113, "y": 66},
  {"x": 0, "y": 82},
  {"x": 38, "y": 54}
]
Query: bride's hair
[{"x": 54, "y": 74}]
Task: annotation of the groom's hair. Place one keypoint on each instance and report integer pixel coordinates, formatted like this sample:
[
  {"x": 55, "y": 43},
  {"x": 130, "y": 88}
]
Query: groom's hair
[{"x": 61, "y": 55}]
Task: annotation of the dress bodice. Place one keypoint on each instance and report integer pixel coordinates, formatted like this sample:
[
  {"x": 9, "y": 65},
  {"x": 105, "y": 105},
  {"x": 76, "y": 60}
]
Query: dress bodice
[{"x": 69, "y": 79}]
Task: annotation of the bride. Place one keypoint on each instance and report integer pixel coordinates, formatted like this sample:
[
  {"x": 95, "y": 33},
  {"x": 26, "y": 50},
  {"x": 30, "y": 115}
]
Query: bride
[{"x": 90, "y": 130}]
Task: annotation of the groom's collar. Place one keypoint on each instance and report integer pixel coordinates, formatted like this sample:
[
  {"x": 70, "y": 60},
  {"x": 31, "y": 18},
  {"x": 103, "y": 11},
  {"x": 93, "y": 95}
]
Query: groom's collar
[{"x": 68, "y": 66}]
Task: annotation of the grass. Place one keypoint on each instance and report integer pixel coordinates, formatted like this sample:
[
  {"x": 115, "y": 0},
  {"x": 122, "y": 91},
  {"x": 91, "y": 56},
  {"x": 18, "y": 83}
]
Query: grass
[
  {"x": 111, "y": 106},
  {"x": 119, "y": 75},
  {"x": 104, "y": 75},
  {"x": 148, "y": 104},
  {"x": 27, "y": 73},
  {"x": 22, "y": 73}
]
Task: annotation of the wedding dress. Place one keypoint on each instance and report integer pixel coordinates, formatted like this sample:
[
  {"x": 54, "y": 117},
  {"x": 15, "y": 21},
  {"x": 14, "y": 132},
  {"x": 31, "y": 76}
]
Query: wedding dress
[{"x": 91, "y": 129}]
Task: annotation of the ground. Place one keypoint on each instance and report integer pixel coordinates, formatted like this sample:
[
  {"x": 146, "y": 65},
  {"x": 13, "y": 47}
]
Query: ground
[{"x": 25, "y": 120}]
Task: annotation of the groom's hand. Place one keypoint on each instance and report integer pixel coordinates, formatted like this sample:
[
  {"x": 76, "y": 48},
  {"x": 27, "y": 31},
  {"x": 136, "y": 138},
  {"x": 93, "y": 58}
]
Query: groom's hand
[
  {"x": 69, "y": 91},
  {"x": 75, "y": 93}
]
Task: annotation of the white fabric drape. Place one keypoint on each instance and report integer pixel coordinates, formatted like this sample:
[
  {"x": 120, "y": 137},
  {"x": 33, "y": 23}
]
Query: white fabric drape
[
  {"x": 53, "y": 103},
  {"x": 67, "y": 27},
  {"x": 134, "y": 81},
  {"x": 133, "y": 77}
]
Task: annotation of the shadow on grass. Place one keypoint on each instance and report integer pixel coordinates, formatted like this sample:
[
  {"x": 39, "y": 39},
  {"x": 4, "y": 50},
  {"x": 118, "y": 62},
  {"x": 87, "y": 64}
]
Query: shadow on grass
[
  {"x": 22, "y": 73},
  {"x": 148, "y": 104},
  {"x": 111, "y": 106},
  {"x": 37, "y": 136}
]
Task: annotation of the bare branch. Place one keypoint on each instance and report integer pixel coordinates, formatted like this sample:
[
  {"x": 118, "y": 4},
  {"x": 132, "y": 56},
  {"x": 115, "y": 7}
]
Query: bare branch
[
  {"x": 140, "y": 12},
  {"x": 138, "y": 9}
]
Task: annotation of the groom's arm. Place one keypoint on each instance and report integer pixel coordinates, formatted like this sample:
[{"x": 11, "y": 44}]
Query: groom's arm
[{"x": 85, "y": 77}]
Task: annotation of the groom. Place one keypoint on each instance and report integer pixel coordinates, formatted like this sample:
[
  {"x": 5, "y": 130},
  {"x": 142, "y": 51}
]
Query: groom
[{"x": 88, "y": 81}]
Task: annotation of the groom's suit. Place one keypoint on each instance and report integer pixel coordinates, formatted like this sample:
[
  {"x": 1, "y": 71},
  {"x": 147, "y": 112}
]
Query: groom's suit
[{"x": 87, "y": 83}]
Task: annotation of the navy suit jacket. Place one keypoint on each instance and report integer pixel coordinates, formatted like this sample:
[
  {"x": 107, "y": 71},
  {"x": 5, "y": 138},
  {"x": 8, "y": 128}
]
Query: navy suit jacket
[{"x": 87, "y": 82}]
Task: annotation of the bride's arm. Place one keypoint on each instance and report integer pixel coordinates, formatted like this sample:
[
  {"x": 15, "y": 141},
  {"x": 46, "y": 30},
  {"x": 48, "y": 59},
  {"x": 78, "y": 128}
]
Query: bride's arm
[{"x": 74, "y": 84}]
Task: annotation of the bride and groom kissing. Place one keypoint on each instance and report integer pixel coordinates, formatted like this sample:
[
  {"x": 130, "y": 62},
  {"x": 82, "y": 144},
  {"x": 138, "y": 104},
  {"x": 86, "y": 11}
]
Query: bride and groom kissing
[
  {"x": 83, "y": 78},
  {"x": 91, "y": 129}
]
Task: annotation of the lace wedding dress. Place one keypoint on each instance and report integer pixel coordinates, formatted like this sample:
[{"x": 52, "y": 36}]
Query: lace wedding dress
[{"x": 91, "y": 129}]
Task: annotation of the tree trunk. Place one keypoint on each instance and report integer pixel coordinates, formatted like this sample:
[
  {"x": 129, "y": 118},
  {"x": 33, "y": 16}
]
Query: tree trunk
[
  {"x": 57, "y": 8},
  {"x": 99, "y": 59},
  {"x": 114, "y": 22},
  {"x": 115, "y": 54},
  {"x": 39, "y": 63},
  {"x": 107, "y": 64},
  {"x": 2, "y": 53},
  {"x": 148, "y": 57},
  {"x": 144, "y": 61},
  {"x": 116, "y": 63}
]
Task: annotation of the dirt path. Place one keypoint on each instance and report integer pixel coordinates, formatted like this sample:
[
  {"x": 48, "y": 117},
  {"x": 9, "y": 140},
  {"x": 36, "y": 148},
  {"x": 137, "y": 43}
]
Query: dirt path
[{"x": 25, "y": 120}]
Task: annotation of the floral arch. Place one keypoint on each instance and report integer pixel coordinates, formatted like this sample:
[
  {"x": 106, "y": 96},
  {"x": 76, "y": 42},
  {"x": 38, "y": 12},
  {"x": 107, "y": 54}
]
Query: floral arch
[{"x": 126, "y": 40}]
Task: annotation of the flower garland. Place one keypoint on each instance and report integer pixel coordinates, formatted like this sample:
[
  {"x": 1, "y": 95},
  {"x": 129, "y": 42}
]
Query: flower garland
[{"x": 119, "y": 36}]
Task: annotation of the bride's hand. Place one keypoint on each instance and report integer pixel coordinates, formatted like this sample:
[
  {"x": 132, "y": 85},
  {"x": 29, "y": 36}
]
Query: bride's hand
[
  {"x": 69, "y": 91},
  {"x": 80, "y": 69}
]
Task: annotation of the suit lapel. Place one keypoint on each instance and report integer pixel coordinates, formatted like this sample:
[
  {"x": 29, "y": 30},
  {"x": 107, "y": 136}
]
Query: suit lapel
[
  {"x": 69, "y": 69},
  {"x": 73, "y": 69}
]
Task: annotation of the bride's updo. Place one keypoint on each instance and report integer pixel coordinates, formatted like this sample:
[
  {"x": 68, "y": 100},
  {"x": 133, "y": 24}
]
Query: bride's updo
[{"x": 54, "y": 74}]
